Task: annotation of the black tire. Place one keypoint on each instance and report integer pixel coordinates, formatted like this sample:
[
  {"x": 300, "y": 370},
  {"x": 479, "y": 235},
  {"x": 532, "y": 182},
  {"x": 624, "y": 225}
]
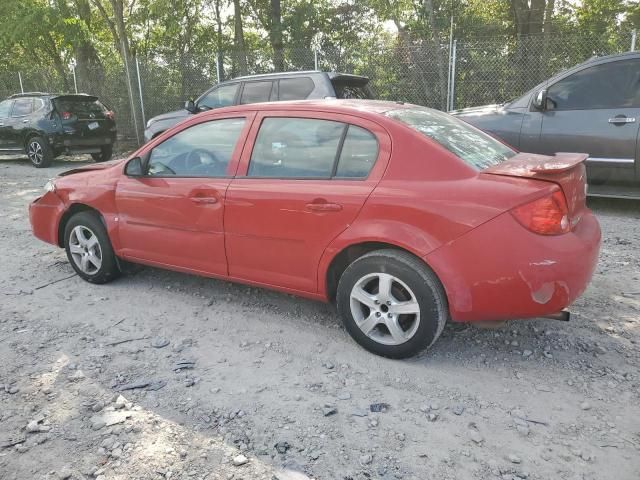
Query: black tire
[
  {"x": 39, "y": 152},
  {"x": 104, "y": 155},
  {"x": 108, "y": 269},
  {"x": 422, "y": 283}
]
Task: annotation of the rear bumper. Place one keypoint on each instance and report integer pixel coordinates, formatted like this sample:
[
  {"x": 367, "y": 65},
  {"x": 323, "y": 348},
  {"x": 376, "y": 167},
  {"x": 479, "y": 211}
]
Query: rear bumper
[
  {"x": 501, "y": 271},
  {"x": 45, "y": 213}
]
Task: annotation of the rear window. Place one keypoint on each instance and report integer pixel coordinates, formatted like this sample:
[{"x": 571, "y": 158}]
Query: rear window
[
  {"x": 352, "y": 90},
  {"x": 474, "y": 147},
  {"x": 297, "y": 88},
  {"x": 79, "y": 106}
]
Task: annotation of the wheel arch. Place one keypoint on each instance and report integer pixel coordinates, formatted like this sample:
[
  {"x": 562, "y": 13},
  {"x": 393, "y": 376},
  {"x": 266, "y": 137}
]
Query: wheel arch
[
  {"x": 70, "y": 212},
  {"x": 348, "y": 254}
]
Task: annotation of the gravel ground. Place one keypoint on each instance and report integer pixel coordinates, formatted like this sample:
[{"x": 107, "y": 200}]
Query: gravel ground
[{"x": 165, "y": 375}]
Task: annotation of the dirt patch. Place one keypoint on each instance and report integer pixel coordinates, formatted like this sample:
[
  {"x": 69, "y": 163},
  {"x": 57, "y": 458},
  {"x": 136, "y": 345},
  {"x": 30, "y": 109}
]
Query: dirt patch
[{"x": 165, "y": 375}]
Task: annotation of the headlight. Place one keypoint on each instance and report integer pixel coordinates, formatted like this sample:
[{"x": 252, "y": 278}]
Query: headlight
[{"x": 50, "y": 186}]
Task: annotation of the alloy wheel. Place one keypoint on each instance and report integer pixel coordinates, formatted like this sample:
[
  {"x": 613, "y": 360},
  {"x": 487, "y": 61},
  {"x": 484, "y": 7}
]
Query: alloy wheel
[
  {"x": 35, "y": 153},
  {"x": 85, "y": 250},
  {"x": 385, "y": 308}
]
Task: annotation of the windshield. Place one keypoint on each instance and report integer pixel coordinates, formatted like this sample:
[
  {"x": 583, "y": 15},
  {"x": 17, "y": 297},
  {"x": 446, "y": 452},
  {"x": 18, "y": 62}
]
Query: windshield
[{"x": 476, "y": 148}]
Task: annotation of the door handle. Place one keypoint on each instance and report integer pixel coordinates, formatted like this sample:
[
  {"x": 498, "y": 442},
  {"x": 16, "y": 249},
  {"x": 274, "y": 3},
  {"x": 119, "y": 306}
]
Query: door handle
[
  {"x": 25, "y": 121},
  {"x": 324, "y": 207},
  {"x": 204, "y": 200},
  {"x": 622, "y": 120}
]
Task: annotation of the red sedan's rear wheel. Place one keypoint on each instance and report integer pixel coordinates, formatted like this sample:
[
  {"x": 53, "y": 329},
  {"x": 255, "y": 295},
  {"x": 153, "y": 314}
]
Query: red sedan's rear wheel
[
  {"x": 89, "y": 249},
  {"x": 392, "y": 303}
]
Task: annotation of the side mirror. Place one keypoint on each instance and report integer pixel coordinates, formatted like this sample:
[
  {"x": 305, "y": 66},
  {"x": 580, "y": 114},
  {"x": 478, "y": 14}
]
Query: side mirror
[
  {"x": 540, "y": 100},
  {"x": 134, "y": 168},
  {"x": 190, "y": 106}
]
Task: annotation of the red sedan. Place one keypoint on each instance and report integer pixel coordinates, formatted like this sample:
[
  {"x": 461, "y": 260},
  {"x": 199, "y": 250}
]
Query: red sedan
[{"x": 403, "y": 216}]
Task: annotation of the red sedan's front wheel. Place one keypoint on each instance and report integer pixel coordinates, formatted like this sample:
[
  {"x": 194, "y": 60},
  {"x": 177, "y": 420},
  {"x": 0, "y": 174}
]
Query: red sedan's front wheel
[
  {"x": 89, "y": 249},
  {"x": 392, "y": 303}
]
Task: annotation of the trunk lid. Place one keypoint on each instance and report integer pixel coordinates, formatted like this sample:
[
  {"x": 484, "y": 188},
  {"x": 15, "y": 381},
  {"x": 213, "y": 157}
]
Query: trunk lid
[{"x": 567, "y": 170}]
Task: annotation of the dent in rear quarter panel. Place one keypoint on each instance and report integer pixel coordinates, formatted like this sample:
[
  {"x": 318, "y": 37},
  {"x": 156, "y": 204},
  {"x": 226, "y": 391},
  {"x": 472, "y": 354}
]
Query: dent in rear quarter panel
[{"x": 501, "y": 271}]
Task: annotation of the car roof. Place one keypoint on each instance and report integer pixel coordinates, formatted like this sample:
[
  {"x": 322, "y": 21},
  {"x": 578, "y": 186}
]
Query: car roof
[
  {"x": 331, "y": 75},
  {"x": 376, "y": 107},
  {"x": 605, "y": 58}
]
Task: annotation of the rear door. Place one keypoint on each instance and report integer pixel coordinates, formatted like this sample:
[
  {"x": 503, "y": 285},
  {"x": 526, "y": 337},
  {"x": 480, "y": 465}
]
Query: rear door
[
  {"x": 18, "y": 122},
  {"x": 5, "y": 111},
  {"x": 302, "y": 184},
  {"x": 595, "y": 111}
]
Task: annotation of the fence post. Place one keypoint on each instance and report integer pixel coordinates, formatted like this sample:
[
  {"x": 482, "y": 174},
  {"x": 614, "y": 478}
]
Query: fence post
[
  {"x": 125, "y": 58},
  {"x": 634, "y": 34},
  {"x": 20, "y": 80},
  {"x": 75, "y": 80},
  {"x": 218, "y": 66},
  {"x": 454, "y": 57},
  {"x": 450, "y": 65},
  {"x": 144, "y": 120},
  {"x": 315, "y": 58}
]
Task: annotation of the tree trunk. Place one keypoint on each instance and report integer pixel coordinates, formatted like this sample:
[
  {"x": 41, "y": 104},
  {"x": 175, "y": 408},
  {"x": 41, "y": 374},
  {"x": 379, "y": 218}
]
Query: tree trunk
[
  {"x": 219, "y": 42},
  {"x": 435, "y": 47},
  {"x": 238, "y": 39},
  {"x": 275, "y": 34}
]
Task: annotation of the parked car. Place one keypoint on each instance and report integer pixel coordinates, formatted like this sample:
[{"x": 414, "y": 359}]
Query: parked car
[
  {"x": 264, "y": 88},
  {"x": 591, "y": 108},
  {"x": 44, "y": 126},
  {"x": 403, "y": 216}
]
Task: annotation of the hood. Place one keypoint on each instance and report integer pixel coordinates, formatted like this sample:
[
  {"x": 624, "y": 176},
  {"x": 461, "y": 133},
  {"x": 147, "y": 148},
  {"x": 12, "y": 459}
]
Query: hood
[
  {"x": 477, "y": 111},
  {"x": 92, "y": 167},
  {"x": 175, "y": 115}
]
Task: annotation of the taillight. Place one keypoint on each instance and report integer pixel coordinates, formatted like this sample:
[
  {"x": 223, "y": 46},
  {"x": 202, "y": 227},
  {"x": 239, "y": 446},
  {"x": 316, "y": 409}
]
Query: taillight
[
  {"x": 109, "y": 114},
  {"x": 547, "y": 215},
  {"x": 66, "y": 115}
]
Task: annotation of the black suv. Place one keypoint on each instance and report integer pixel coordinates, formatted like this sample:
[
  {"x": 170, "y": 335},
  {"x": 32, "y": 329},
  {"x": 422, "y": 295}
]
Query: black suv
[
  {"x": 44, "y": 125},
  {"x": 264, "y": 88}
]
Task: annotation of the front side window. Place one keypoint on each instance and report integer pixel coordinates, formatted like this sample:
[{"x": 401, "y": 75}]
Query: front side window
[
  {"x": 296, "y": 148},
  {"x": 297, "y": 88},
  {"x": 5, "y": 108},
  {"x": 22, "y": 107},
  {"x": 475, "y": 148},
  {"x": 219, "y": 97},
  {"x": 255, "y": 92},
  {"x": 203, "y": 150},
  {"x": 610, "y": 85}
]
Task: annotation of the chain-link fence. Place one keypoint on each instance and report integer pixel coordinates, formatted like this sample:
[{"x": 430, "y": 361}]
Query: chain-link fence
[{"x": 456, "y": 75}]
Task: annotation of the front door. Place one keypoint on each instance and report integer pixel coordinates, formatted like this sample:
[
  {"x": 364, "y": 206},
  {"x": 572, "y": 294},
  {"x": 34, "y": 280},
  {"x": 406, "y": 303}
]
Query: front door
[
  {"x": 17, "y": 123},
  {"x": 303, "y": 183},
  {"x": 595, "y": 111},
  {"x": 173, "y": 215}
]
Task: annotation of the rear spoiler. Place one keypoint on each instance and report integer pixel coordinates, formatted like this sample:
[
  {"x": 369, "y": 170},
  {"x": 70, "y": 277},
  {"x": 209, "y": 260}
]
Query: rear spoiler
[
  {"x": 348, "y": 78},
  {"x": 530, "y": 164},
  {"x": 75, "y": 96}
]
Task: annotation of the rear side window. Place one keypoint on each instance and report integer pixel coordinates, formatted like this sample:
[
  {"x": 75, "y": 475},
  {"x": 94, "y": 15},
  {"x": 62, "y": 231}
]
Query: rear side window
[
  {"x": 22, "y": 107},
  {"x": 297, "y": 88},
  {"x": 610, "y": 85},
  {"x": 296, "y": 148},
  {"x": 359, "y": 153},
  {"x": 219, "y": 97},
  {"x": 254, "y": 92},
  {"x": 349, "y": 90},
  {"x": 80, "y": 107},
  {"x": 5, "y": 108},
  {"x": 475, "y": 148}
]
